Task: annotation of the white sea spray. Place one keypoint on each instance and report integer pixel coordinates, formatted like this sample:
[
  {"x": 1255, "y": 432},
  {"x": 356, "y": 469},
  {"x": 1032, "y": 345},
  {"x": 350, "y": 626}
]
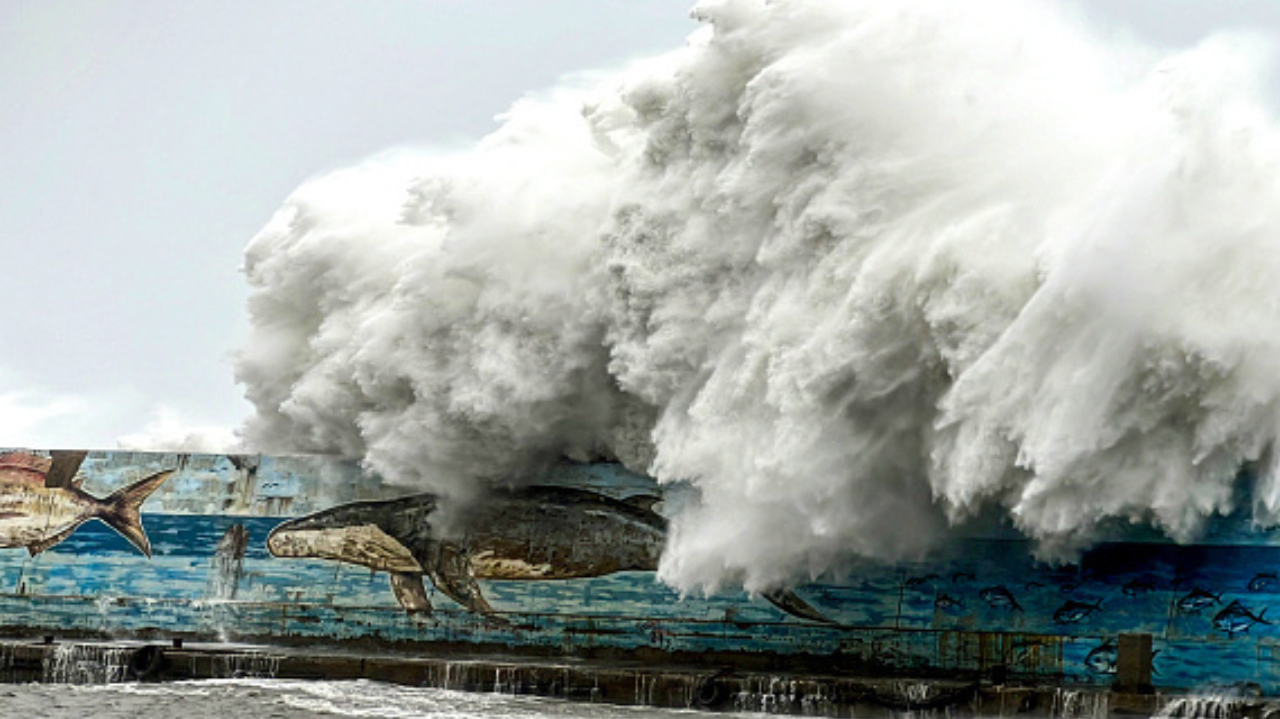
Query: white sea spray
[{"x": 856, "y": 270}]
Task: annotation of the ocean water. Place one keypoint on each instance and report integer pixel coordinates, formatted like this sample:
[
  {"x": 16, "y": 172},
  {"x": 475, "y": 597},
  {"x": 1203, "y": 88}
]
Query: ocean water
[{"x": 288, "y": 699}]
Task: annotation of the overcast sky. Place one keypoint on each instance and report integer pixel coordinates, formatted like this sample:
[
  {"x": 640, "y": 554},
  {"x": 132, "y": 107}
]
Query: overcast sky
[{"x": 144, "y": 142}]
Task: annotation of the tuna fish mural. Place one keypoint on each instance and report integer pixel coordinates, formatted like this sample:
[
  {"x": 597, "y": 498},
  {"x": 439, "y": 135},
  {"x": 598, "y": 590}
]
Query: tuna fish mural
[{"x": 42, "y": 502}]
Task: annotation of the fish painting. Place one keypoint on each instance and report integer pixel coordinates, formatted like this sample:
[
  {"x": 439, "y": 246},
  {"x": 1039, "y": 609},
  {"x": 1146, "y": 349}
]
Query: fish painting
[
  {"x": 1198, "y": 599},
  {"x": 1141, "y": 585},
  {"x": 1073, "y": 611},
  {"x": 42, "y": 502},
  {"x": 946, "y": 602},
  {"x": 1235, "y": 618},
  {"x": 530, "y": 533},
  {"x": 1262, "y": 580},
  {"x": 1102, "y": 658},
  {"x": 999, "y": 597}
]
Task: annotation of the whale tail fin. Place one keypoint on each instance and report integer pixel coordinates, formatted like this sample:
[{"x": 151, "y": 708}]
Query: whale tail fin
[
  {"x": 122, "y": 511},
  {"x": 789, "y": 602}
]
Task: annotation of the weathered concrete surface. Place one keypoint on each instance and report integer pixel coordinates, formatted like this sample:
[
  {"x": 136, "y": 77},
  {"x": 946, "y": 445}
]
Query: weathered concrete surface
[
  {"x": 235, "y": 559},
  {"x": 1133, "y": 664},
  {"x": 674, "y": 685}
]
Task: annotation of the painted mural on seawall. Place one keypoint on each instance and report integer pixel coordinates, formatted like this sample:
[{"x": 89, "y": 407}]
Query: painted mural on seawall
[{"x": 263, "y": 548}]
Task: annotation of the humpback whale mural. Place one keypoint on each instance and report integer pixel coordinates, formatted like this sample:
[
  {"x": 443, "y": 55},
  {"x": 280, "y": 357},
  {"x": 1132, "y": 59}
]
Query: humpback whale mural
[
  {"x": 42, "y": 502},
  {"x": 530, "y": 533}
]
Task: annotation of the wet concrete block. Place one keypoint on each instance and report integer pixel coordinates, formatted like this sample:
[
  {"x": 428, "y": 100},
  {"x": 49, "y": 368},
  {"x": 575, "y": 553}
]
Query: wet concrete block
[
  {"x": 1133, "y": 704},
  {"x": 397, "y": 671},
  {"x": 1133, "y": 664},
  {"x": 321, "y": 667}
]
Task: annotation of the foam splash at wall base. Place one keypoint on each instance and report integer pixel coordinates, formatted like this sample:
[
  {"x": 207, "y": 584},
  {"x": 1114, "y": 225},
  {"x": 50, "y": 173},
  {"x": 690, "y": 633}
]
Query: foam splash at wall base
[{"x": 854, "y": 270}]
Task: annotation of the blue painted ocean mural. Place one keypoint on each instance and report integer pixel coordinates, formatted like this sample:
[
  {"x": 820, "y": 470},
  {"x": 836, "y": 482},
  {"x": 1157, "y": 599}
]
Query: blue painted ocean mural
[{"x": 260, "y": 548}]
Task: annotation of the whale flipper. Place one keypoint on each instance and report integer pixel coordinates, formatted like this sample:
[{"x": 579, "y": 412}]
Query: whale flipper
[
  {"x": 789, "y": 602},
  {"x": 410, "y": 592},
  {"x": 452, "y": 574}
]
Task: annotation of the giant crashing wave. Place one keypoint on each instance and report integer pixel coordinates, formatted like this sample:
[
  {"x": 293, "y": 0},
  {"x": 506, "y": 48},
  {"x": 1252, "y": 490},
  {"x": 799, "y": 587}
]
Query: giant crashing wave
[{"x": 856, "y": 271}]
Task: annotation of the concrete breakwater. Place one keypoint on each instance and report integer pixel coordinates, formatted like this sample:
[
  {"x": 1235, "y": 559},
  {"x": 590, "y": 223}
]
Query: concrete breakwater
[{"x": 690, "y": 686}]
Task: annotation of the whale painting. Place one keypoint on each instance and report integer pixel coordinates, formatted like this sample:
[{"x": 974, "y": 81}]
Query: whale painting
[
  {"x": 530, "y": 533},
  {"x": 261, "y": 549},
  {"x": 42, "y": 502}
]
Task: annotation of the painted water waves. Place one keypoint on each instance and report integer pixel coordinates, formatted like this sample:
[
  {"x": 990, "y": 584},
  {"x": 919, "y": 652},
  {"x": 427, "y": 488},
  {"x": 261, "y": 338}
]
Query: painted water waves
[{"x": 302, "y": 548}]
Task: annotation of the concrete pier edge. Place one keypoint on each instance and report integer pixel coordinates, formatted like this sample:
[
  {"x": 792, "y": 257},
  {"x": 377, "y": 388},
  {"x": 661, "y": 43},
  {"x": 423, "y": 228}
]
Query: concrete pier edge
[{"x": 682, "y": 686}]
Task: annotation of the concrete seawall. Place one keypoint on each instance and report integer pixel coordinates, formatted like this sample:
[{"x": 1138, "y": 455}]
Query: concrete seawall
[{"x": 301, "y": 553}]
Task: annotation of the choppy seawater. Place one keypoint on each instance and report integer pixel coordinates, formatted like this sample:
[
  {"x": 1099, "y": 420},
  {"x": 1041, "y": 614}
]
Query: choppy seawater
[{"x": 289, "y": 699}]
